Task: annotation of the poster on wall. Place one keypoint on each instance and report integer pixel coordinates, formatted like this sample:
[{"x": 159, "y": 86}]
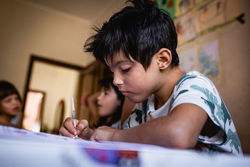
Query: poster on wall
[
  {"x": 209, "y": 59},
  {"x": 185, "y": 27},
  {"x": 183, "y": 6},
  {"x": 210, "y": 14},
  {"x": 168, "y": 6},
  {"x": 188, "y": 60}
]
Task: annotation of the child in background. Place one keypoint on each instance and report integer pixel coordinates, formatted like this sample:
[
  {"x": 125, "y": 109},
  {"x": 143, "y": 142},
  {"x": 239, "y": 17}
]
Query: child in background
[
  {"x": 10, "y": 105},
  {"x": 105, "y": 106},
  {"x": 181, "y": 110},
  {"x": 123, "y": 113}
]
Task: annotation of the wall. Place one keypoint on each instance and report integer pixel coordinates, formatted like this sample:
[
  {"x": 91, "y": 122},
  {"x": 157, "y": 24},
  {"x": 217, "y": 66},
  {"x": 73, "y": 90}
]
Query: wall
[
  {"x": 51, "y": 79},
  {"x": 236, "y": 67},
  {"x": 27, "y": 29},
  {"x": 233, "y": 81}
]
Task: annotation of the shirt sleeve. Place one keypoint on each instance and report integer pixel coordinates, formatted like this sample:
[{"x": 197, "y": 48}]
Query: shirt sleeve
[
  {"x": 195, "y": 91},
  {"x": 199, "y": 91}
]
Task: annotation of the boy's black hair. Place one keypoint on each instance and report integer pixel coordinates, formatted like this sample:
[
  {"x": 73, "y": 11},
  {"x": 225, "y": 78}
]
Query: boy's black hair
[
  {"x": 138, "y": 31},
  {"x": 6, "y": 89},
  {"x": 107, "y": 83}
]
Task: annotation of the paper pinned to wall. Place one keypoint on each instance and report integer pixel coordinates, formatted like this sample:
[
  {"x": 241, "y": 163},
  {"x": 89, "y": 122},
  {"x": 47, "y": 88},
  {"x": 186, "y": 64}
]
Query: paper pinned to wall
[
  {"x": 188, "y": 60},
  {"x": 210, "y": 14},
  {"x": 183, "y": 6},
  {"x": 185, "y": 27},
  {"x": 209, "y": 59},
  {"x": 168, "y": 6},
  {"x": 233, "y": 9}
]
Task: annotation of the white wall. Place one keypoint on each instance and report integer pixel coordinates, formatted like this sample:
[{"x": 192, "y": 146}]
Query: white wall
[
  {"x": 27, "y": 29},
  {"x": 58, "y": 83}
]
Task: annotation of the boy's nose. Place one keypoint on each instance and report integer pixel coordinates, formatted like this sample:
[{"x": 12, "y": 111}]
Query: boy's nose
[{"x": 117, "y": 81}]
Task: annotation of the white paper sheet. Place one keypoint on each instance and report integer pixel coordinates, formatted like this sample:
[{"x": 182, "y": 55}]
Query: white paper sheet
[{"x": 24, "y": 148}]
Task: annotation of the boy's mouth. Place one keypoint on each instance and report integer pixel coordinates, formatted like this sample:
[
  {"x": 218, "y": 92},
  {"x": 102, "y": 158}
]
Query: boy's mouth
[{"x": 125, "y": 92}]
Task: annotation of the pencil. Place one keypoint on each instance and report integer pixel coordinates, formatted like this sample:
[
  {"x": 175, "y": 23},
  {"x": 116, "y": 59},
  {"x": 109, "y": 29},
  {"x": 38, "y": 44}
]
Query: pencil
[{"x": 73, "y": 113}]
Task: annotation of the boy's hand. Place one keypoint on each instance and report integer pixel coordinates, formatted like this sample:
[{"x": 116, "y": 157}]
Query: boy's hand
[
  {"x": 103, "y": 133},
  {"x": 67, "y": 128},
  {"x": 82, "y": 129}
]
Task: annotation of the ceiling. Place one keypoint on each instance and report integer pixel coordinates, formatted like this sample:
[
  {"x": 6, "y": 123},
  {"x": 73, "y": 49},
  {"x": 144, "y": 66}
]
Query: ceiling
[{"x": 91, "y": 10}]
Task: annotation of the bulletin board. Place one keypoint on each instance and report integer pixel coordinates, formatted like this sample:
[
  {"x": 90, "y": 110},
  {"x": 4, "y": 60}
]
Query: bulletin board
[
  {"x": 213, "y": 38},
  {"x": 193, "y": 20}
]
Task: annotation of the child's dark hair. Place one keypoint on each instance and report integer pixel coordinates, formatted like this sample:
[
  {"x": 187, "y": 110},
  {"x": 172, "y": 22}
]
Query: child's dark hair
[
  {"x": 107, "y": 83},
  {"x": 6, "y": 89},
  {"x": 138, "y": 31}
]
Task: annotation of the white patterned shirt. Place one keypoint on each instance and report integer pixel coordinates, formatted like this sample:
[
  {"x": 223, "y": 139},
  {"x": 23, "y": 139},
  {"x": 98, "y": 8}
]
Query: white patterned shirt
[{"x": 196, "y": 89}]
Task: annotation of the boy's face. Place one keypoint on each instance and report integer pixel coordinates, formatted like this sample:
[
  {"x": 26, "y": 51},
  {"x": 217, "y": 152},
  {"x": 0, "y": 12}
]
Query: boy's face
[{"x": 132, "y": 79}]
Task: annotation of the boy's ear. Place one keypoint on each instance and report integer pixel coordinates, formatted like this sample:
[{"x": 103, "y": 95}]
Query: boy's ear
[{"x": 163, "y": 58}]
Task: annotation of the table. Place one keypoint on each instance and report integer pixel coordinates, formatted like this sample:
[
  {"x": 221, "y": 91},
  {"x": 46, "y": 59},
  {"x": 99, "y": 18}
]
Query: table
[{"x": 20, "y": 147}]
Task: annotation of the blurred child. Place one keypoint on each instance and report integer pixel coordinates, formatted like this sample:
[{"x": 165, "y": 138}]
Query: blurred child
[
  {"x": 10, "y": 105},
  {"x": 105, "y": 106},
  {"x": 181, "y": 110},
  {"x": 123, "y": 113}
]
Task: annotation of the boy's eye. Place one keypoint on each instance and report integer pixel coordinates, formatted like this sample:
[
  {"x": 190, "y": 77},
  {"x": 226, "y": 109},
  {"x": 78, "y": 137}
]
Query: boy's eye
[{"x": 124, "y": 70}]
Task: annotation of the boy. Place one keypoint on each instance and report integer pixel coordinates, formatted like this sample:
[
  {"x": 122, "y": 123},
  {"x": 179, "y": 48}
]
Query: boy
[{"x": 181, "y": 110}]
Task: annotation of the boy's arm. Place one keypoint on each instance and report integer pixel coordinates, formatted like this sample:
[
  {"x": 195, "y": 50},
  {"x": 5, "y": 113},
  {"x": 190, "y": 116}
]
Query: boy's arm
[{"x": 180, "y": 129}]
